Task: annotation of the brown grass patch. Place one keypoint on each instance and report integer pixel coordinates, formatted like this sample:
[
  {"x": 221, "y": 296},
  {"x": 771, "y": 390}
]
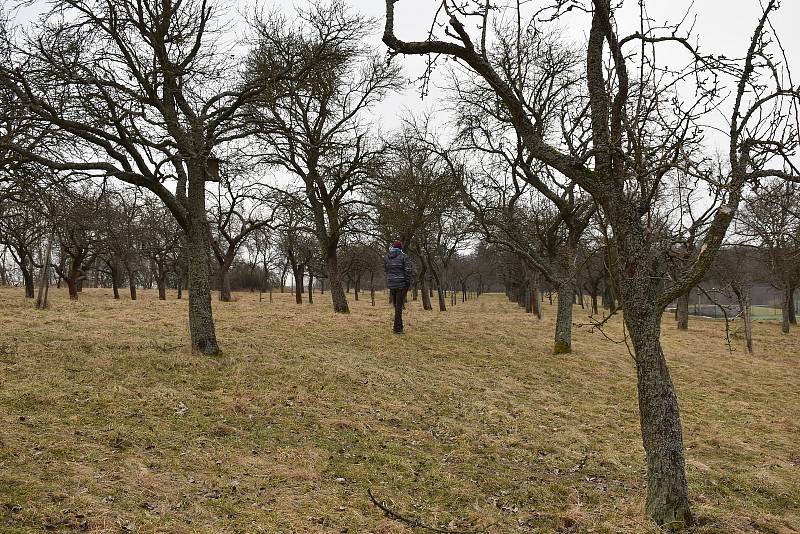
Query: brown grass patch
[{"x": 110, "y": 424}]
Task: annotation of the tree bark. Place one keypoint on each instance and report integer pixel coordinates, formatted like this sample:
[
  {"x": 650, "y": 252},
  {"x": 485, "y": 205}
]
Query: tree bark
[
  {"x": 682, "y": 311},
  {"x": 662, "y": 437},
  {"x": 785, "y": 308},
  {"x": 161, "y": 283},
  {"x": 27, "y": 278},
  {"x": 792, "y": 311},
  {"x": 310, "y": 288},
  {"x": 426, "y": 295},
  {"x": 132, "y": 283},
  {"x": 114, "y": 281},
  {"x": 337, "y": 292},
  {"x": 224, "y": 281},
  {"x": 563, "y": 335},
  {"x": 201, "y": 318}
]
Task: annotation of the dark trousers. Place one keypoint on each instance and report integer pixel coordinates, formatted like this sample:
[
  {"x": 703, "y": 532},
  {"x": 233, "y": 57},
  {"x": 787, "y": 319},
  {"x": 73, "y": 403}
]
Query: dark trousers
[{"x": 398, "y": 296}]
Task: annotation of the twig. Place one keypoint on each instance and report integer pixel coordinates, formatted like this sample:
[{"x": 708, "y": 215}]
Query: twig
[
  {"x": 724, "y": 313},
  {"x": 413, "y": 522}
]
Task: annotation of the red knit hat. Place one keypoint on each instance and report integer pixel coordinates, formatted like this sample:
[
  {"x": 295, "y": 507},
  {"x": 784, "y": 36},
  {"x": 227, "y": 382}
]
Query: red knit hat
[{"x": 398, "y": 244}]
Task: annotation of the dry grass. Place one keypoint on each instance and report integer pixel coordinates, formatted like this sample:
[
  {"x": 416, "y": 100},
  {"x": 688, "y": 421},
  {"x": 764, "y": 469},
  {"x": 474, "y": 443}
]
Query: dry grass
[{"x": 109, "y": 424}]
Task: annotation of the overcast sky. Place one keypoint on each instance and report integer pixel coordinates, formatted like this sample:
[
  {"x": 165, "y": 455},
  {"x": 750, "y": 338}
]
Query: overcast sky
[{"x": 720, "y": 27}]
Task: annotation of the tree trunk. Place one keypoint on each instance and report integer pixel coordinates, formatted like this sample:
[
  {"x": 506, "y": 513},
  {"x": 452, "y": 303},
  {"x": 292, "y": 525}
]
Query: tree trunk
[
  {"x": 357, "y": 287},
  {"x": 337, "y": 292},
  {"x": 563, "y": 336},
  {"x": 426, "y": 295},
  {"x": 742, "y": 293},
  {"x": 536, "y": 307},
  {"x": 161, "y": 283},
  {"x": 785, "y": 308},
  {"x": 72, "y": 278},
  {"x": 310, "y": 288},
  {"x": 423, "y": 287},
  {"x": 224, "y": 281},
  {"x": 44, "y": 282},
  {"x": 594, "y": 303},
  {"x": 114, "y": 281},
  {"x": 72, "y": 288},
  {"x": 180, "y": 286},
  {"x": 298, "y": 284},
  {"x": 201, "y": 317},
  {"x": 372, "y": 287},
  {"x": 792, "y": 313},
  {"x": 132, "y": 283},
  {"x": 27, "y": 278},
  {"x": 682, "y": 311},
  {"x": 662, "y": 437}
]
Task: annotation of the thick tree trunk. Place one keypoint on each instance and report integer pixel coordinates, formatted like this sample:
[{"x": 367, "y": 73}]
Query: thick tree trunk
[
  {"x": 563, "y": 335},
  {"x": 72, "y": 278},
  {"x": 682, "y": 311},
  {"x": 426, "y": 295},
  {"x": 310, "y": 288},
  {"x": 161, "y": 283},
  {"x": 536, "y": 307},
  {"x": 298, "y": 285},
  {"x": 114, "y": 282},
  {"x": 792, "y": 312},
  {"x": 357, "y": 288},
  {"x": 180, "y": 286},
  {"x": 528, "y": 300},
  {"x": 338, "y": 296},
  {"x": 440, "y": 294},
  {"x": 667, "y": 492},
  {"x": 224, "y": 282},
  {"x": 201, "y": 318},
  {"x": 27, "y": 278},
  {"x": 662, "y": 436},
  {"x": 594, "y": 303},
  {"x": 72, "y": 288},
  {"x": 132, "y": 283}
]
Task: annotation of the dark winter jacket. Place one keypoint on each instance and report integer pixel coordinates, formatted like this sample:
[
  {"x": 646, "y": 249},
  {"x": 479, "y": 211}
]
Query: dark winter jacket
[{"x": 398, "y": 268}]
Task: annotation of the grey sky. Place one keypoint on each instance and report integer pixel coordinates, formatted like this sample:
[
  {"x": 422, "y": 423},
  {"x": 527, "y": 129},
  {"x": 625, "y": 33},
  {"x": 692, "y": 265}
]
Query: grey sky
[{"x": 720, "y": 26}]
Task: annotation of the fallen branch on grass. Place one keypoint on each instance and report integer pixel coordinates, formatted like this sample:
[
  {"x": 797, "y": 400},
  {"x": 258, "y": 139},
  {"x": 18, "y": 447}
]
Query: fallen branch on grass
[{"x": 413, "y": 522}]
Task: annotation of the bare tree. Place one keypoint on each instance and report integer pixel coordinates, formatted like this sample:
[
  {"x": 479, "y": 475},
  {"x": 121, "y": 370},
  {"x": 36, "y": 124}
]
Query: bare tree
[
  {"x": 313, "y": 125},
  {"x": 770, "y": 221},
  {"x": 638, "y": 132},
  {"x": 139, "y": 91}
]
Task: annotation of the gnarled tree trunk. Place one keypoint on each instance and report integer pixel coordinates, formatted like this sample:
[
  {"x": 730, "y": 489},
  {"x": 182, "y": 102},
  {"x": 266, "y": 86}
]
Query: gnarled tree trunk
[{"x": 201, "y": 318}]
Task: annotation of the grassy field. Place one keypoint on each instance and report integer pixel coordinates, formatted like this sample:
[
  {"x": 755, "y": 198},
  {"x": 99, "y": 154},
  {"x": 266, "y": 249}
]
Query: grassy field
[{"x": 109, "y": 424}]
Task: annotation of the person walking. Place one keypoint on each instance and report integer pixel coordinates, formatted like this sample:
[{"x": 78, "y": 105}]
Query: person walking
[{"x": 399, "y": 271}]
